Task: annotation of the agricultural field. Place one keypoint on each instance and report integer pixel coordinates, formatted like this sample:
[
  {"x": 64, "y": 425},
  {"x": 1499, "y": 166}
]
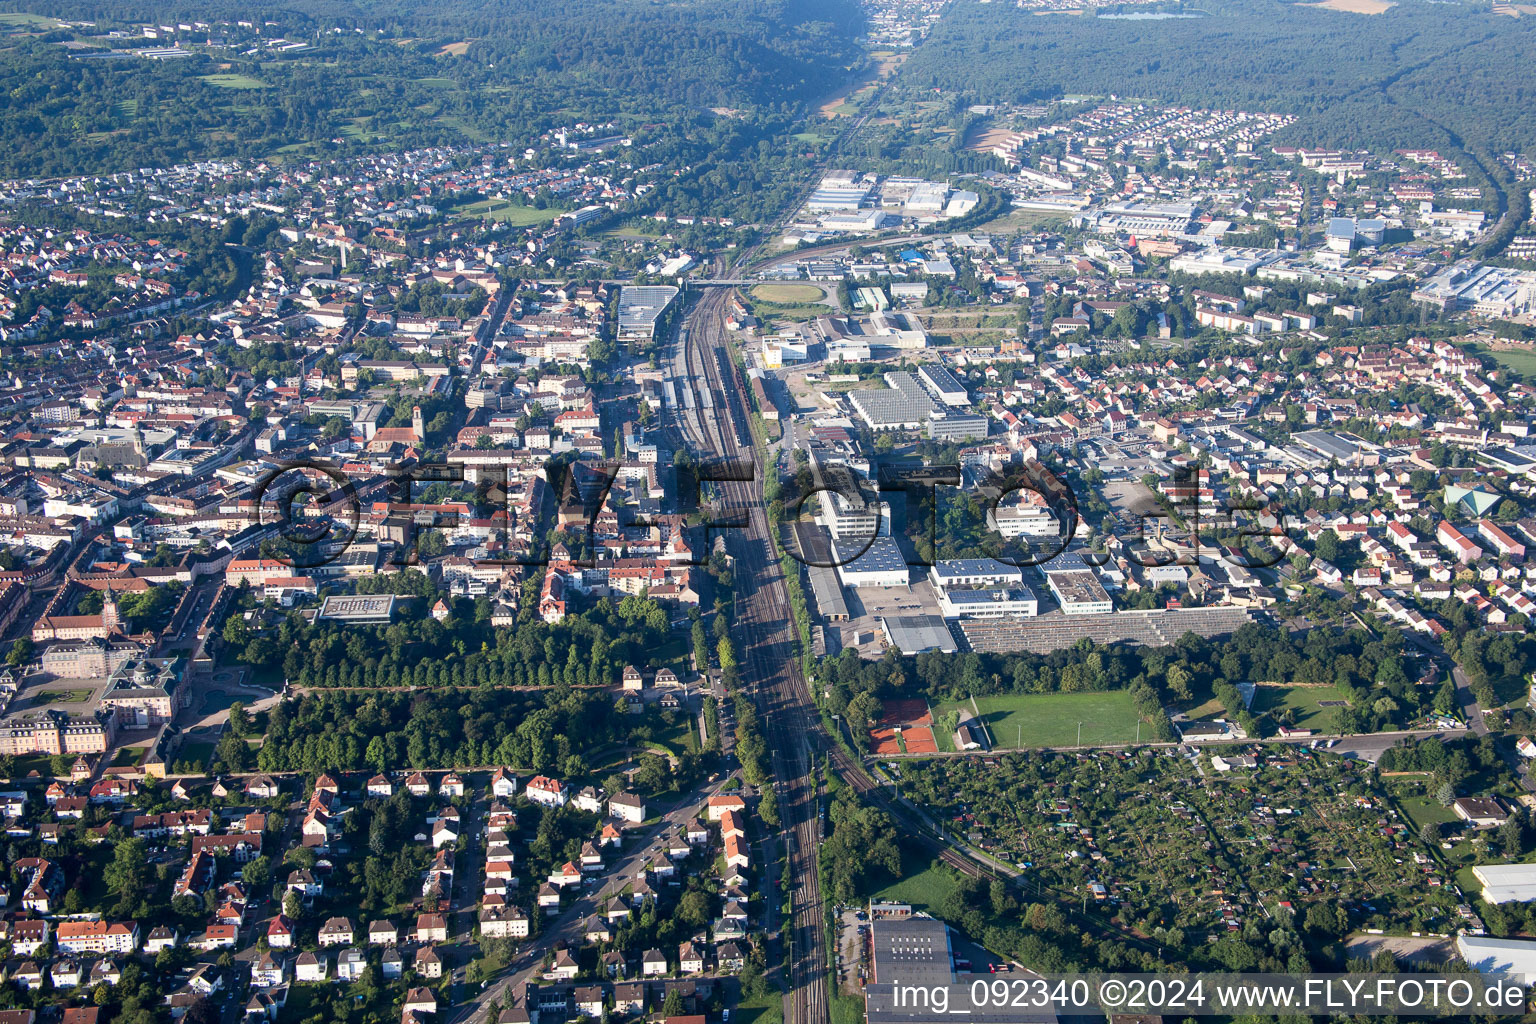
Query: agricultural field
[
  {"x": 1164, "y": 843},
  {"x": 1051, "y": 719}
]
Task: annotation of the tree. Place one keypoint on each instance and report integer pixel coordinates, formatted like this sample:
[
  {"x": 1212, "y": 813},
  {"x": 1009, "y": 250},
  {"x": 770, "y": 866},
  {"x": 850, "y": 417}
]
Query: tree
[
  {"x": 257, "y": 875},
  {"x": 1445, "y": 795},
  {"x": 293, "y": 906},
  {"x": 653, "y": 775},
  {"x": 1179, "y": 679},
  {"x": 20, "y": 653},
  {"x": 127, "y": 875},
  {"x": 1512, "y": 836},
  {"x": 203, "y": 1011},
  {"x": 768, "y": 806},
  {"x": 700, "y": 646},
  {"x": 693, "y": 908}
]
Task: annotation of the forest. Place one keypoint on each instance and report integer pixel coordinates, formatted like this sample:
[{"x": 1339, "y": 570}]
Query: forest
[
  {"x": 399, "y": 74},
  {"x": 1436, "y": 75}
]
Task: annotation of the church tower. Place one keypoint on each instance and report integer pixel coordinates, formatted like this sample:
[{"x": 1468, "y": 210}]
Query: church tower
[{"x": 417, "y": 426}]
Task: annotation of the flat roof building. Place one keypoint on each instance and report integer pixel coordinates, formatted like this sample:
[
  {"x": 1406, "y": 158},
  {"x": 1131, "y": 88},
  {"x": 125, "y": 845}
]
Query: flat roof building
[
  {"x": 905, "y": 405},
  {"x": 1498, "y": 956},
  {"x": 973, "y": 572},
  {"x": 918, "y": 634},
  {"x": 988, "y": 604},
  {"x": 880, "y": 565},
  {"x": 943, "y": 386},
  {"x": 359, "y": 608},
  {"x": 956, "y": 426},
  {"x": 1507, "y": 883},
  {"x": 640, "y": 306},
  {"x": 914, "y": 980}
]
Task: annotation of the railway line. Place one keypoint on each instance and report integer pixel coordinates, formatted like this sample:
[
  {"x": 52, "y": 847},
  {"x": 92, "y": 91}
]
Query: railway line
[
  {"x": 719, "y": 430},
  {"x": 765, "y": 634}
]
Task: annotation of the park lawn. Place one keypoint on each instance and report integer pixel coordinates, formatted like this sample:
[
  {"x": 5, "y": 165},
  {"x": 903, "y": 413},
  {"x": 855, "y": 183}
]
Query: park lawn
[
  {"x": 127, "y": 756},
  {"x": 1303, "y": 700},
  {"x": 64, "y": 696},
  {"x": 25, "y": 764},
  {"x": 235, "y": 81},
  {"x": 1051, "y": 719},
  {"x": 921, "y": 885},
  {"x": 196, "y": 753},
  {"x": 944, "y": 738},
  {"x": 679, "y": 737},
  {"x": 788, "y": 293}
]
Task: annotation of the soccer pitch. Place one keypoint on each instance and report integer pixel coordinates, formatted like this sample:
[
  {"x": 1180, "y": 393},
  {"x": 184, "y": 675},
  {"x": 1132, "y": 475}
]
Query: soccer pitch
[{"x": 1052, "y": 719}]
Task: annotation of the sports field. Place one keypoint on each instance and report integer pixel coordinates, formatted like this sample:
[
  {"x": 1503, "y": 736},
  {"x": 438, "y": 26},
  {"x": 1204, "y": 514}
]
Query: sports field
[
  {"x": 1051, "y": 719},
  {"x": 788, "y": 293}
]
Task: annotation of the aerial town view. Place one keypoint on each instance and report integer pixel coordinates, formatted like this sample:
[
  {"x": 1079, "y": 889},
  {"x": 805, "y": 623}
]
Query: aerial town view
[{"x": 727, "y": 512}]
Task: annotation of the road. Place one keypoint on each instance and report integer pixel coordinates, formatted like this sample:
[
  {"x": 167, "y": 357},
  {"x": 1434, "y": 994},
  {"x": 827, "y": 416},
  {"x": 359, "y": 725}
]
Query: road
[{"x": 567, "y": 927}]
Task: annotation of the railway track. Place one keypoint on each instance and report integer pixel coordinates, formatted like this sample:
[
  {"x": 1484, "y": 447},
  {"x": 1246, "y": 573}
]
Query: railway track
[
  {"x": 765, "y": 636},
  {"x": 765, "y": 633}
]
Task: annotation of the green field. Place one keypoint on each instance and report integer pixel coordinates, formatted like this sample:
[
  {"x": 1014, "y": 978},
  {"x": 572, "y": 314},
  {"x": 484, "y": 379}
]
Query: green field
[
  {"x": 1052, "y": 719},
  {"x": 509, "y": 213},
  {"x": 235, "y": 81},
  {"x": 921, "y": 885},
  {"x": 24, "y": 19},
  {"x": 1304, "y": 700},
  {"x": 64, "y": 696},
  {"x": 1521, "y": 361},
  {"x": 1023, "y": 220},
  {"x": 788, "y": 293},
  {"x": 1424, "y": 811},
  {"x": 767, "y": 1008}
]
